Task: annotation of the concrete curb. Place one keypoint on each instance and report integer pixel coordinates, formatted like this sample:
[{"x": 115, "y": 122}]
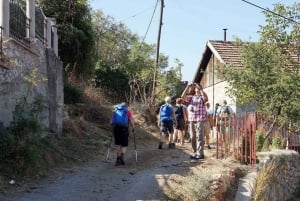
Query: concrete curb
[{"x": 245, "y": 188}]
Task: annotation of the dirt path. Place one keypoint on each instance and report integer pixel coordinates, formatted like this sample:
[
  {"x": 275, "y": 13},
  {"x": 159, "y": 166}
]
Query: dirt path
[{"x": 97, "y": 180}]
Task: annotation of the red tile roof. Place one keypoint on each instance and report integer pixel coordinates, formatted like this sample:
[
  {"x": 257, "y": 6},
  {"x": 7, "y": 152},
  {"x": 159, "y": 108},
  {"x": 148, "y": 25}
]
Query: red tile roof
[{"x": 228, "y": 51}]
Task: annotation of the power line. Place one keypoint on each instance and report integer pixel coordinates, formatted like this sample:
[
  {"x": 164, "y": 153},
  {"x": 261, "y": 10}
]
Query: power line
[
  {"x": 289, "y": 19},
  {"x": 141, "y": 12},
  {"x": 136, "y": 14},
  {"x": 150, "y": 21}
]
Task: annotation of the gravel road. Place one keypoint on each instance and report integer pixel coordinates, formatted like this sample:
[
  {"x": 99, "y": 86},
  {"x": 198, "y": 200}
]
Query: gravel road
[{"x": 99, "y": 180}]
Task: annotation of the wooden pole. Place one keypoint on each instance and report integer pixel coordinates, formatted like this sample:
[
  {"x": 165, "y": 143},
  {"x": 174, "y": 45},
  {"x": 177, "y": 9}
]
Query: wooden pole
[{"x": 157, "y": 53}]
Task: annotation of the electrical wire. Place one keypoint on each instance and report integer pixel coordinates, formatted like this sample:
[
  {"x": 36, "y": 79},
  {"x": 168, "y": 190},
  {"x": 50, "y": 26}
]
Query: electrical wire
[
  {"x": 289, "y": 19},
  {"x": 150, "y": 21},
  {"x": 134, "y": 15}
]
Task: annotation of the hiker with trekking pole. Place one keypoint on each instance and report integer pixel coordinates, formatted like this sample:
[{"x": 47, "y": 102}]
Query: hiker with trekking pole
[{"x": 121, "y": 120}]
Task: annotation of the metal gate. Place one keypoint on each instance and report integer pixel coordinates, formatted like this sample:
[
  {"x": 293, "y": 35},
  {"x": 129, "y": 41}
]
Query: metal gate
[{"x": 237, "y": 136}]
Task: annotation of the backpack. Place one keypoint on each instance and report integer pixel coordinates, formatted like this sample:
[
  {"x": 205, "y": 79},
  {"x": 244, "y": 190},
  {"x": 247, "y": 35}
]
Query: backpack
[
  {"x": 179, "y": 112},
  {"x": 120, "y": 115},
  {"x": 224, "y": 111},
  {"x": 165, "y": 112}
]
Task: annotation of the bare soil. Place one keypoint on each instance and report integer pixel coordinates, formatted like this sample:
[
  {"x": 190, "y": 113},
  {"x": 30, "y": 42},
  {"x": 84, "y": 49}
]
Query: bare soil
[{"x": 156, "y": 175}]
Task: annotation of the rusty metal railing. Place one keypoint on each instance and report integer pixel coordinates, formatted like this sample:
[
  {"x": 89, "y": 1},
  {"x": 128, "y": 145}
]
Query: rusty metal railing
[{"x": 237, "y": 136}]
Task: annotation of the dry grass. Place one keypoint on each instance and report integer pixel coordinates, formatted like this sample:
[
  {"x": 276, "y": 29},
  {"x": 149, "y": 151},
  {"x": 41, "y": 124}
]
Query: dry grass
[{"x": 215, "y": 181}]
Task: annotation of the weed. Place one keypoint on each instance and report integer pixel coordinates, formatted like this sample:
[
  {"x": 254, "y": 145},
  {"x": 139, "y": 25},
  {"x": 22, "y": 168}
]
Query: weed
[{"x": 20, "y": 143}]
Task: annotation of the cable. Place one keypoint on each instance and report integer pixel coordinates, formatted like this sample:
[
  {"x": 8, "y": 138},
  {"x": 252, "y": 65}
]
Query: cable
[
  {"x": 271, "y": 12},
  {"x": 134, "y": 15},
  {"x": 150, "y": 21}
]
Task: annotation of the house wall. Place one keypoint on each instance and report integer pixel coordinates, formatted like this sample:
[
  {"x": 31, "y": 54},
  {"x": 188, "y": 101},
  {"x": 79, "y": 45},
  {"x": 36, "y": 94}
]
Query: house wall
[
  {"x": 214, "y": 86},
  {"x": 18, "y": 82}
]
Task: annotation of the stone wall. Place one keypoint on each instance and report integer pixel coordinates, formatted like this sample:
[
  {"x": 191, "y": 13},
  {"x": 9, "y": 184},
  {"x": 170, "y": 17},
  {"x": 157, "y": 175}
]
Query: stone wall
[
  {"x": 31, "y": 72},
  {"x": 278, "y": 175}
]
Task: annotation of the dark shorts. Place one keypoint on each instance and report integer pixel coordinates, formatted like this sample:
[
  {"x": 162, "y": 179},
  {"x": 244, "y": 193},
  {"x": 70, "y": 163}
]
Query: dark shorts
[
  {"x": 180, "y": 124},
  {"x": 121, "y": 134},
  {"x": 167, "y": 127}
]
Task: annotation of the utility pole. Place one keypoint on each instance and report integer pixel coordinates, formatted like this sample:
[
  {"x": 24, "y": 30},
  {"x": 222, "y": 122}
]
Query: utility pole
[{"x": 157, "y": 53}]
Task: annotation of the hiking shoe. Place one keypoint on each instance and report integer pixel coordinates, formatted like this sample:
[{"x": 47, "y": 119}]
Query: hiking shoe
[
  {"x": 118, "y": 161},
  {"x": 122, "y": 161},
  {"x": 160, "y": 145}
]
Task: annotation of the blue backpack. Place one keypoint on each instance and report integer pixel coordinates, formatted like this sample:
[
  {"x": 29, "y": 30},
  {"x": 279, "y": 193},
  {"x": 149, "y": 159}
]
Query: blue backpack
[
  {"x": 120, "y": 115},
  {"x": 165, "y": 112}
]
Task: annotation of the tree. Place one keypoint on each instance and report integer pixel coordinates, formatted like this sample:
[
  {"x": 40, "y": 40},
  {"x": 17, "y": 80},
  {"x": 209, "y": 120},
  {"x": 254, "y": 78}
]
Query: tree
[
  {"x": 169, "y": 83},
  {"x": 105, "y": 52},
  {"x": 120, "y": 52},
  {"x": 76, "y": 33},
  {"x": 271, "y": 75}
]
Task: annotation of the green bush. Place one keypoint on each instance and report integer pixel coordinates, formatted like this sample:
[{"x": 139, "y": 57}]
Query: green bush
[
  {"x": 5, "y": 143},
  {"x": 72, "y": 94},
  {"x": 20, "y": 141},
  {"x": 278, "y": 142},
  {"x": 259, "y": 140}
]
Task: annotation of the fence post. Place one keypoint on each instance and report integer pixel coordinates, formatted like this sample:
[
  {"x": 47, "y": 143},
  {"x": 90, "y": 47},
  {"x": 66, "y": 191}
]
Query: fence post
[
  {"x": 55, "y": 38},
  {"x": 48, "y": 32},
  {"x": 30, "y": 14},
  {"x": 4, "y": 16}
]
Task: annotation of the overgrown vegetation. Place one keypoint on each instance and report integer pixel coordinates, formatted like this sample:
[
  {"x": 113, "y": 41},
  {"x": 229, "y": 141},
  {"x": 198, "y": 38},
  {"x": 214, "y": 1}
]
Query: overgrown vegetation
[
  {"x": 22, "y": 140},
  {"x": 72, "y": 94},
  {"x": 259, "y": 140},
  {"x": 97, "y": 51},
  {"x": 278, "y": 142}
]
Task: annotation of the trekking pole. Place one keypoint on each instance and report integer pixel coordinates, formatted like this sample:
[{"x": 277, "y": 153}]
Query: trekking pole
[
  {"x": 108, "y": 149},
  {"x": 134, "y": 145}
]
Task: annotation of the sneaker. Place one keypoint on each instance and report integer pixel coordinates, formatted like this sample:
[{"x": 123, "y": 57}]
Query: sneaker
[
  {"x": 160, "y": 145},
  {"x": 199, "y": 157},
  {"x": 193, "y": 156}
]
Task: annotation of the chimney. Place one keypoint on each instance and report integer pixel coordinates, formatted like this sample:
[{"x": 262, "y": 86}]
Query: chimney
[{"x": 225, "y": 35}]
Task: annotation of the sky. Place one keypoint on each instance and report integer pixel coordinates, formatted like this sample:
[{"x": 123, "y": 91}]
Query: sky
[{"x": 189, "y": 24}]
